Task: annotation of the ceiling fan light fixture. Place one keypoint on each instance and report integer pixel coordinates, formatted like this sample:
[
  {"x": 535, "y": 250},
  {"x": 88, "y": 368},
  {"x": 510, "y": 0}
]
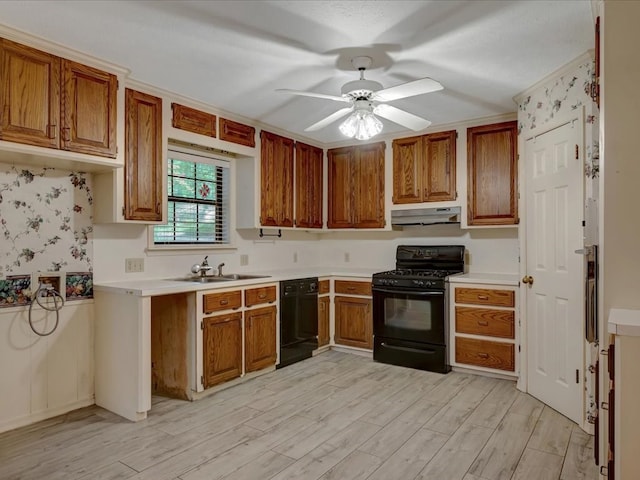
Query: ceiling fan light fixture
[{"x": 361, "y": 125}]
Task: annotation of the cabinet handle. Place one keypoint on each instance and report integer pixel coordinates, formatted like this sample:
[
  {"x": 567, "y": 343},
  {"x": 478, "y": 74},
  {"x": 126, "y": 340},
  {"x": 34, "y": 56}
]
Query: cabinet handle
[
  {"x": 262, "y": 296},
  {"x": 483, "y": 323},
  {"x": 351, "y": 289},
  {"x": 483, "y": 355},
  {"x": 483, "y": 297},
  {"x": 224, "y": 302},
  {"x": 604, "y": 405}
]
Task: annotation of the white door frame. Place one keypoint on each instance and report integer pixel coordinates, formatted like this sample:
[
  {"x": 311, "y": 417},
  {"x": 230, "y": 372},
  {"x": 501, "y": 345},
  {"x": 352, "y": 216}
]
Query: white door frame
[{"x": 577, "y": 117}]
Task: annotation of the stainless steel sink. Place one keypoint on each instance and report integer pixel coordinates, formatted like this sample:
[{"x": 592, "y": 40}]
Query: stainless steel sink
[
  {"x": 241, "y": 276},
  {"x": 224, "y": 278}
]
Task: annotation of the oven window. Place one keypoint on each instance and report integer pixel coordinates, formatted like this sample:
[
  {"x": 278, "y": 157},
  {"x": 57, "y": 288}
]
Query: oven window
[{"x": 408, "y": 313}]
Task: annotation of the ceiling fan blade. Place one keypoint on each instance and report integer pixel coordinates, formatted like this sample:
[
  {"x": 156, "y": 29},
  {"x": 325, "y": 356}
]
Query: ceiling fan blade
[
  {"x": 409, "y": 89},
  {"x": 401, "y": 117},
  {"x": 330, "y": 119},
  {"x": 335, "y": 98}
]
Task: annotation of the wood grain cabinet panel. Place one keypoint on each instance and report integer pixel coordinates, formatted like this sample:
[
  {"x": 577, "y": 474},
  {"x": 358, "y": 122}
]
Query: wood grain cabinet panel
[
  {"x": 89, "y": 107},
  {"x": 324, "y": 286},
  {"x": 276, "y": 180},
  {"x": 353, "y": 322},
  {"x": 192, "y": 120},
  {"x": 260, "y": 295},
  {"x": 492, "y": 169},
  {"x": 143, "y": 157},
  {"x": 215, "y": 302},
  {"x": 486, "y": 296},
  {"x": 483, "y": 321},
  {"x": 260, "y": 338},
  {"x": 222, "y": 348},
  {"x": 323, "y": 321},
  {"x": 356, "y": 186},
  {"x": 239, "y": 133},
  {"x": 485, "y": 353},
  {"x": 424, "y": 168},
  {"x": 308, "y": 183},
  {"x": 30, "y": 89},
  {"x": 350, "y": 287}
]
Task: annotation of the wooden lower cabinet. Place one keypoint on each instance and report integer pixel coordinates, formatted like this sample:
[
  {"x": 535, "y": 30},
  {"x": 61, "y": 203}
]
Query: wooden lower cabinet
[
  {"x": 354, "y": 322},
  {"x": 222, "y": 348},
  {"x": 485, "y": 353},
  {"x": 323, "y": 321},
  {"x": 260, "y": 338}
]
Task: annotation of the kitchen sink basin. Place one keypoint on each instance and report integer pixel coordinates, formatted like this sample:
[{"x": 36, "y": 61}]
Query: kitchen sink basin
[
  {"x": 224, "y": 278},
  {"x": 240, "y": 276}
]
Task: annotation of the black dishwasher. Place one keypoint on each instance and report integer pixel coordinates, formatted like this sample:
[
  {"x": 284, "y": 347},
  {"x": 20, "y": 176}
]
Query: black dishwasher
[{"x": 298, "y": 320}]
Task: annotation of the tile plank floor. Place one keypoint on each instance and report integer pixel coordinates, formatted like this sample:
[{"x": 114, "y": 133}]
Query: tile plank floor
[{"x": 335, "y": 416}]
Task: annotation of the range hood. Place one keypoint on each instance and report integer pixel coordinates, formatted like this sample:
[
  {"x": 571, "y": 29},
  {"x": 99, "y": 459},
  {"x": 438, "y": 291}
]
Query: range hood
[{"x": 425, "y": 216}]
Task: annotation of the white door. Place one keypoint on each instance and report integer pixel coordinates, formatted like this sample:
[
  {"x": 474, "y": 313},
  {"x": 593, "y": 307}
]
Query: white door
[{"x": 555, "y": 306}]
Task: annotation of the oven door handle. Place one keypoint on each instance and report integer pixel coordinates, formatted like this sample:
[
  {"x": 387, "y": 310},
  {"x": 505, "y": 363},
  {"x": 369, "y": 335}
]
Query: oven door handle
[{"x": 410, "y": 292}]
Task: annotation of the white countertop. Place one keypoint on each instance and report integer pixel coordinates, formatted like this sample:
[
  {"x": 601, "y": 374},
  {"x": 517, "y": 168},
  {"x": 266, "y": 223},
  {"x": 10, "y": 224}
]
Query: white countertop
[
  {"x": 153, "y": 287},
  {"x": 512, "y": 279},
  {"x": 624, "y": 322}
]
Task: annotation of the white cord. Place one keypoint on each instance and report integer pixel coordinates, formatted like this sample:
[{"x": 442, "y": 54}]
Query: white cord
[{"x": 56, "y": 307}]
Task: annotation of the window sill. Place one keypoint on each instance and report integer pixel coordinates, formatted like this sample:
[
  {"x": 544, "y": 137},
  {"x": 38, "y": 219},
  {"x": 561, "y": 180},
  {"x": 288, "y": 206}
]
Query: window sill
[{"x": 153, "y": 250}]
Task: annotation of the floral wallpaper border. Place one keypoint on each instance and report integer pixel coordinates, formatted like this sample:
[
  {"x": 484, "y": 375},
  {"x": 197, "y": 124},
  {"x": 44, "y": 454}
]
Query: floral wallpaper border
[{"x": 17, "y": 290}]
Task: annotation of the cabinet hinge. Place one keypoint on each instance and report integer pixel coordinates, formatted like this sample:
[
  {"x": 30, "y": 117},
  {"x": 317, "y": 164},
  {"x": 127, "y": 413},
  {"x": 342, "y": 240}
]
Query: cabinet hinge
[
  {"x": 456, "y": 134},
  {"x": 519, "y": 348},
  {"x": 577, "y": 376},
  {"x": 202, "y": 380},
  {"x": 123, "y": 211},
  {"x": 201, "y": 325},
  {"x": 456, "y": 195},
  {"x": 576, "y": 151},
  {"x": 117, "y": 84}
]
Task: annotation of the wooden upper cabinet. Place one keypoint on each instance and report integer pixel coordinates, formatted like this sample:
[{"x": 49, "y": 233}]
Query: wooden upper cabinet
[
  {"x": 88, "y": 110},
  {"x": 340, "y": 166},
  {"x": 30, "y": 95},
  {"x": 356, "y": 186},
  {"x": 492, "y": 174},
  {"x": 276, "y": 180},
  {"x": 424, "y": 168},
  {"x": 192, "y": 120},
  {"x": 239, "y": 133},
  {"x": 143, "y": 157},
  {"x": 308, "y": 186}
]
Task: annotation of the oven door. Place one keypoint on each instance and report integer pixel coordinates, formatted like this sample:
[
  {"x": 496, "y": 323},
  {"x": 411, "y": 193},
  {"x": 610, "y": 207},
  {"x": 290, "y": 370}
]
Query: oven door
[{"x": 416, "y": 316}]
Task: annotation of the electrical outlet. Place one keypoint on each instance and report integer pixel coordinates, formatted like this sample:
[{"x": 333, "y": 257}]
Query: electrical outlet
[
  {"x": 295, "y": 257},
  {"x": 347, "y": 257},
  {"x": 244, "y": 260},
  {"x": 133, "y": 265}
]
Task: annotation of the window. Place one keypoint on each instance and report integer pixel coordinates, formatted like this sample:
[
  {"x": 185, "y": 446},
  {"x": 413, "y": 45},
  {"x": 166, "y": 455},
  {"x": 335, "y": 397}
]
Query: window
[{"x": 197, "y": 199}]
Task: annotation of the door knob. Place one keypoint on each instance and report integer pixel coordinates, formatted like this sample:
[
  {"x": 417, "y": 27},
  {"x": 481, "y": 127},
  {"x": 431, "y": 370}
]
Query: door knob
[{"x": 527, "y": 279}]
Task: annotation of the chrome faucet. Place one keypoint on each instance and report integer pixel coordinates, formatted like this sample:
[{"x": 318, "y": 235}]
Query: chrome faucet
[
  {"x": 220, "y": 269},
  {"x": 203, "y": 268}
]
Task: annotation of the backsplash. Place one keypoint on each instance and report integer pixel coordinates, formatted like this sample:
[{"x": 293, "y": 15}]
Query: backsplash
[{"x": 46, "y": 226}]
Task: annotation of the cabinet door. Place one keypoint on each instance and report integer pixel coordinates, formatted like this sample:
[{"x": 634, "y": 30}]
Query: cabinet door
[
  {"x": 407, "y": 170},
  {"x": 30, "y": 95},
  {"x": 323, "y": 321},
  {"x": 353, "y": 322},
  {"x": 276, "y": 180},
  {"x": 340, "y": 180},
  {"x": 439, "y": 167},
  {"x": 143, "y": 157},
  {"x": 222, "y": 348},
  {"x": 492, "y": 174},
  {"x": 88, "y": 110},
  {"x": 260, "y": 338},
  {"x": 308, "y": 186},
  {"x": 369, "y": 186}
]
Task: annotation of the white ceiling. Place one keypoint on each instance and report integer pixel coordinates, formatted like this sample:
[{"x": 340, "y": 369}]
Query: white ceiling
[{"x": 235, "y": 54}]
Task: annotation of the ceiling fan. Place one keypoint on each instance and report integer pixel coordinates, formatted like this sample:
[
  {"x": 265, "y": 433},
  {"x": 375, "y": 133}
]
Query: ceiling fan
[{"x": 366, "y": 99}]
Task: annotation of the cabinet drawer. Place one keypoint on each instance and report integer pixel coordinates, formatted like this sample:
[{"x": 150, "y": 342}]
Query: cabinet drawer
[
  {"x": 485, "y": 353},
  {"x": 213, "y": 302},
  {"x": 256, "y": 296},
  {"x": 485, "y": 296},
  {"x": 484, "y": 321},
  {"x": 323, "y": 287},
  {"x": 352, "y": 288}
]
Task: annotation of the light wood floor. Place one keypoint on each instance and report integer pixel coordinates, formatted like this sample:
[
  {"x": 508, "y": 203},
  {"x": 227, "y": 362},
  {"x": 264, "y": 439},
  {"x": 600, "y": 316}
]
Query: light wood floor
[{"x": 335, "y": 416}]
